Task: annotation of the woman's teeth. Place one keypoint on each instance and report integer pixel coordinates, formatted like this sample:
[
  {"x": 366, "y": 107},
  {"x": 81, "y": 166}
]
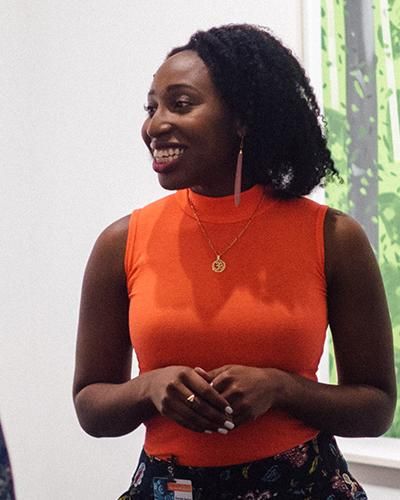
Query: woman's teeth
[{"x": 167, "y": 155}]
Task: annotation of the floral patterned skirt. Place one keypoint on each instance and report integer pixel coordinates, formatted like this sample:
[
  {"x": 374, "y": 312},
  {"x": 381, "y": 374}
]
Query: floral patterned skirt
[{"x": 315, "y": 470}]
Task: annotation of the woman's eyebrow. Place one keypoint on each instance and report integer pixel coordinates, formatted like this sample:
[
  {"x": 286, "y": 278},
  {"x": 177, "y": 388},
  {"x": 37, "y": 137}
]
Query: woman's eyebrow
[
  {"x": 178, "y": 86},
  {"x": 175, "y": 86}
]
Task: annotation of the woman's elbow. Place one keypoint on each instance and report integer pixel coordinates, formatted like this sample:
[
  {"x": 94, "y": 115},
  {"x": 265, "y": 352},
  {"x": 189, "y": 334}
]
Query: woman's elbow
[
  {"x": 86, "y": 416},
  {"x": 383, "y": 415}
]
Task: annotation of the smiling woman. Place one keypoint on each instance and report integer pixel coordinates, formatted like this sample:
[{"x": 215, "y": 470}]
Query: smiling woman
[{"x": 225, "y": 289}]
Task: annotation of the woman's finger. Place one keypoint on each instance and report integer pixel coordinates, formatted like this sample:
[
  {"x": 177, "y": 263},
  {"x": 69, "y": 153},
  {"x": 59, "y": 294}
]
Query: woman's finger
[
  {"x": 221, "y": 383},
  {"x": 200, "y": 406},
  {"x": 207, "y": 392},
  {"x": 217, "y": 371},
  {"x": 203, "y": 374},
  {"x": 195, "y": 415},
  {"x": 197, "y": 385},
  {"x": 196, "y": 425}
]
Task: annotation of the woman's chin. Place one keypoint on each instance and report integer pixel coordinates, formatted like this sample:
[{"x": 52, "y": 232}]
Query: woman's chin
[{"x": 169, "y": 183}]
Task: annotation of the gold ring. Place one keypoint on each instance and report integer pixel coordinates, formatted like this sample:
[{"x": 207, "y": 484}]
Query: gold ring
[{"x": 190, "y": 398}]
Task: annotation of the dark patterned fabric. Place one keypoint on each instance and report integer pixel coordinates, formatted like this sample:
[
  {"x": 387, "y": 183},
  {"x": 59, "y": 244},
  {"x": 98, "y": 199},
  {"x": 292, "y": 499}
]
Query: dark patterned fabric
[
  {"x": 6, "y": 484},
  {"x": 315, "y": 470}
]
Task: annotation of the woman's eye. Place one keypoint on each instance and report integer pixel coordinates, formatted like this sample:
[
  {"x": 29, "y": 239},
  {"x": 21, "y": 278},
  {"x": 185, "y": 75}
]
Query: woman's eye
[
  {"x": 150, "y": 109},
  {"x": 180, "y": 104}
]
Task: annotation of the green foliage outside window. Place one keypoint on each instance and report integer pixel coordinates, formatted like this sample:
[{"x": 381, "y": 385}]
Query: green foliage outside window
[{"x": 361, "y": 99}]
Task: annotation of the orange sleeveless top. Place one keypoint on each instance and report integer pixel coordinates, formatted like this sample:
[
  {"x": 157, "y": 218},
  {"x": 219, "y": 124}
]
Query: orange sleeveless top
[{"x": 267, "y": 309}]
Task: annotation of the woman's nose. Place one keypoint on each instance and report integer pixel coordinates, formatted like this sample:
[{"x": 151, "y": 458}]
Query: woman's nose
[{"x": 158, "y": 124}]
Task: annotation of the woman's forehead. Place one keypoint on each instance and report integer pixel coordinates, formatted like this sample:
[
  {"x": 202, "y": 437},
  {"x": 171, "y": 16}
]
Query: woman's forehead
[{"x": 183, "y": 68}]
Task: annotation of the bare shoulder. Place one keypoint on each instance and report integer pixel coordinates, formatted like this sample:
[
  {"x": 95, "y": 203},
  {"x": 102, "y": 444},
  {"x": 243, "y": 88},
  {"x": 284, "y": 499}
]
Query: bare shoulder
[
  {"x": 109, "y": 249},
  {"x": 341, "y": 228},
  {"x": 346, "y": 244},
  {"x": 116, "y": 233}
]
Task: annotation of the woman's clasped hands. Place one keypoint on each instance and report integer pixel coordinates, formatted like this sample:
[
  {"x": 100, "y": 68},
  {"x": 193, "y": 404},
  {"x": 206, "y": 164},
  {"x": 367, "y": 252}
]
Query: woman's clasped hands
[{"x": 214, "y": 401}]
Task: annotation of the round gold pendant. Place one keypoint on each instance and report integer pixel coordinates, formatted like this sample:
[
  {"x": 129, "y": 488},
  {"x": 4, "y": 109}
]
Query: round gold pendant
[{"x": 218, "y": 266}]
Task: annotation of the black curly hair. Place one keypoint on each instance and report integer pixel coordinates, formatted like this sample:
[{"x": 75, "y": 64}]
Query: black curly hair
[{"x": 267, "y": 89}]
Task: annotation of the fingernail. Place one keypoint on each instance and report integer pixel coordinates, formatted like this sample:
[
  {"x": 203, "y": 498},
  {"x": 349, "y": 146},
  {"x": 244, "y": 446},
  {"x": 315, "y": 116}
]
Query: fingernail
[
  {"x": 208, "y": 432},
  {"x": 221, "y": 430},
  {"x": 228, "y": 410},
  {"x": 229, "y": 425}
]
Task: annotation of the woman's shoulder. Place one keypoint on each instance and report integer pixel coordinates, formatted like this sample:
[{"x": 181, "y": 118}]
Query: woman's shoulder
[
  {"x": 115, "y": 233},
  {"x": 109, "y": 249},
  {"x": 343, "y": 230},
  {"x": 346, "y": 243}
]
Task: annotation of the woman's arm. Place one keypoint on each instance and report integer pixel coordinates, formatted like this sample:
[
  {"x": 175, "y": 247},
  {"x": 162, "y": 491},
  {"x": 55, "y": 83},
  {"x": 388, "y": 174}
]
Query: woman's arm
[
  {"x": 107, "y": 401},
  {"x": 102, "y": 384},
  {"x": 363, "y": 403}
]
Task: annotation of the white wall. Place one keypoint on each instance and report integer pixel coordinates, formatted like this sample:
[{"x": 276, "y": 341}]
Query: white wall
[{"x": 73, "y": 78}]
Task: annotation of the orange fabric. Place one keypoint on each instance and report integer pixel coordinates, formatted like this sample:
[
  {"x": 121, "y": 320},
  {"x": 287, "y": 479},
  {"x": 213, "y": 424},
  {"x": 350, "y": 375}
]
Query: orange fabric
[{"x": 267, "y": 309}]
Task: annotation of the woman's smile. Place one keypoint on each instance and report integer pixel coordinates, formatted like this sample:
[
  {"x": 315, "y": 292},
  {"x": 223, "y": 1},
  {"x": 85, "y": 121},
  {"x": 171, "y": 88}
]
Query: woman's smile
[{"x": 166, "y": 155}]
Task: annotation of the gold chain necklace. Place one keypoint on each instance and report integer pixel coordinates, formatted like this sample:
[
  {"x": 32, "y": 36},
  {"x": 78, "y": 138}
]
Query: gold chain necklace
[{"x": 219, "y": 265}]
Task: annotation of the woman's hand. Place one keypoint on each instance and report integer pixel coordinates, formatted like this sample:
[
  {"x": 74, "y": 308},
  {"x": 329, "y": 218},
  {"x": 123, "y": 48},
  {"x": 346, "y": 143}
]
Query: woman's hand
[
  {"x": 250, "y": 391},
  {"x": 169, "y": 390}
]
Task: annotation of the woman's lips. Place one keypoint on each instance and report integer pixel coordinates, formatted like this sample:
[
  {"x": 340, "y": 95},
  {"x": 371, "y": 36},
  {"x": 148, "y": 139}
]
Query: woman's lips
[{"x": 165, "y": 166}]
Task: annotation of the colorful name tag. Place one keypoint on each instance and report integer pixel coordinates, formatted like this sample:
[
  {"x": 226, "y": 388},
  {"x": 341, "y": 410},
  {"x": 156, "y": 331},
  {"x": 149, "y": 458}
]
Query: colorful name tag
[{"x": 177, "y": 489}]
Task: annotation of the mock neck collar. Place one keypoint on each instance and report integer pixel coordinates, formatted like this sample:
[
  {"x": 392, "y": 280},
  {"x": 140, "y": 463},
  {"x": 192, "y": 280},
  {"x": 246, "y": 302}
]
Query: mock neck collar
[{"x": 222, "y": 208}]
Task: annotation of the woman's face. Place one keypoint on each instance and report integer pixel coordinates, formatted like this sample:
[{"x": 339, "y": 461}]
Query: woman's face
[{"x": 190, "y": 132}]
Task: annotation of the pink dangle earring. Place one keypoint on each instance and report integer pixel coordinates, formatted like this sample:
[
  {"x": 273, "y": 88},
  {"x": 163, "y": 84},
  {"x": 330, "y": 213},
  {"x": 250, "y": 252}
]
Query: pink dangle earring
[{"x": 238, "y": 174}]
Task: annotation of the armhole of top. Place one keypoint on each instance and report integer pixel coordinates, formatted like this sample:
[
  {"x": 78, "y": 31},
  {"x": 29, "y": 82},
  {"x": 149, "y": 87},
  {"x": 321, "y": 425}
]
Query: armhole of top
[
  {"x": 130, "y": 246},
  {"x": 320, "y": 238}
]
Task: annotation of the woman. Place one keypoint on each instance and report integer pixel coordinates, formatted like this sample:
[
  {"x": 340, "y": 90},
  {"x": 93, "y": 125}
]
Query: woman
[{"x": 226, "y": 287}]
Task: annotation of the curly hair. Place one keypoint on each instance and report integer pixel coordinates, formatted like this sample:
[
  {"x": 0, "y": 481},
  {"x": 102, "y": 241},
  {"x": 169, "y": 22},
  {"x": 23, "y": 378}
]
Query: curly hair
[{"x": 268, "y": 91}]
